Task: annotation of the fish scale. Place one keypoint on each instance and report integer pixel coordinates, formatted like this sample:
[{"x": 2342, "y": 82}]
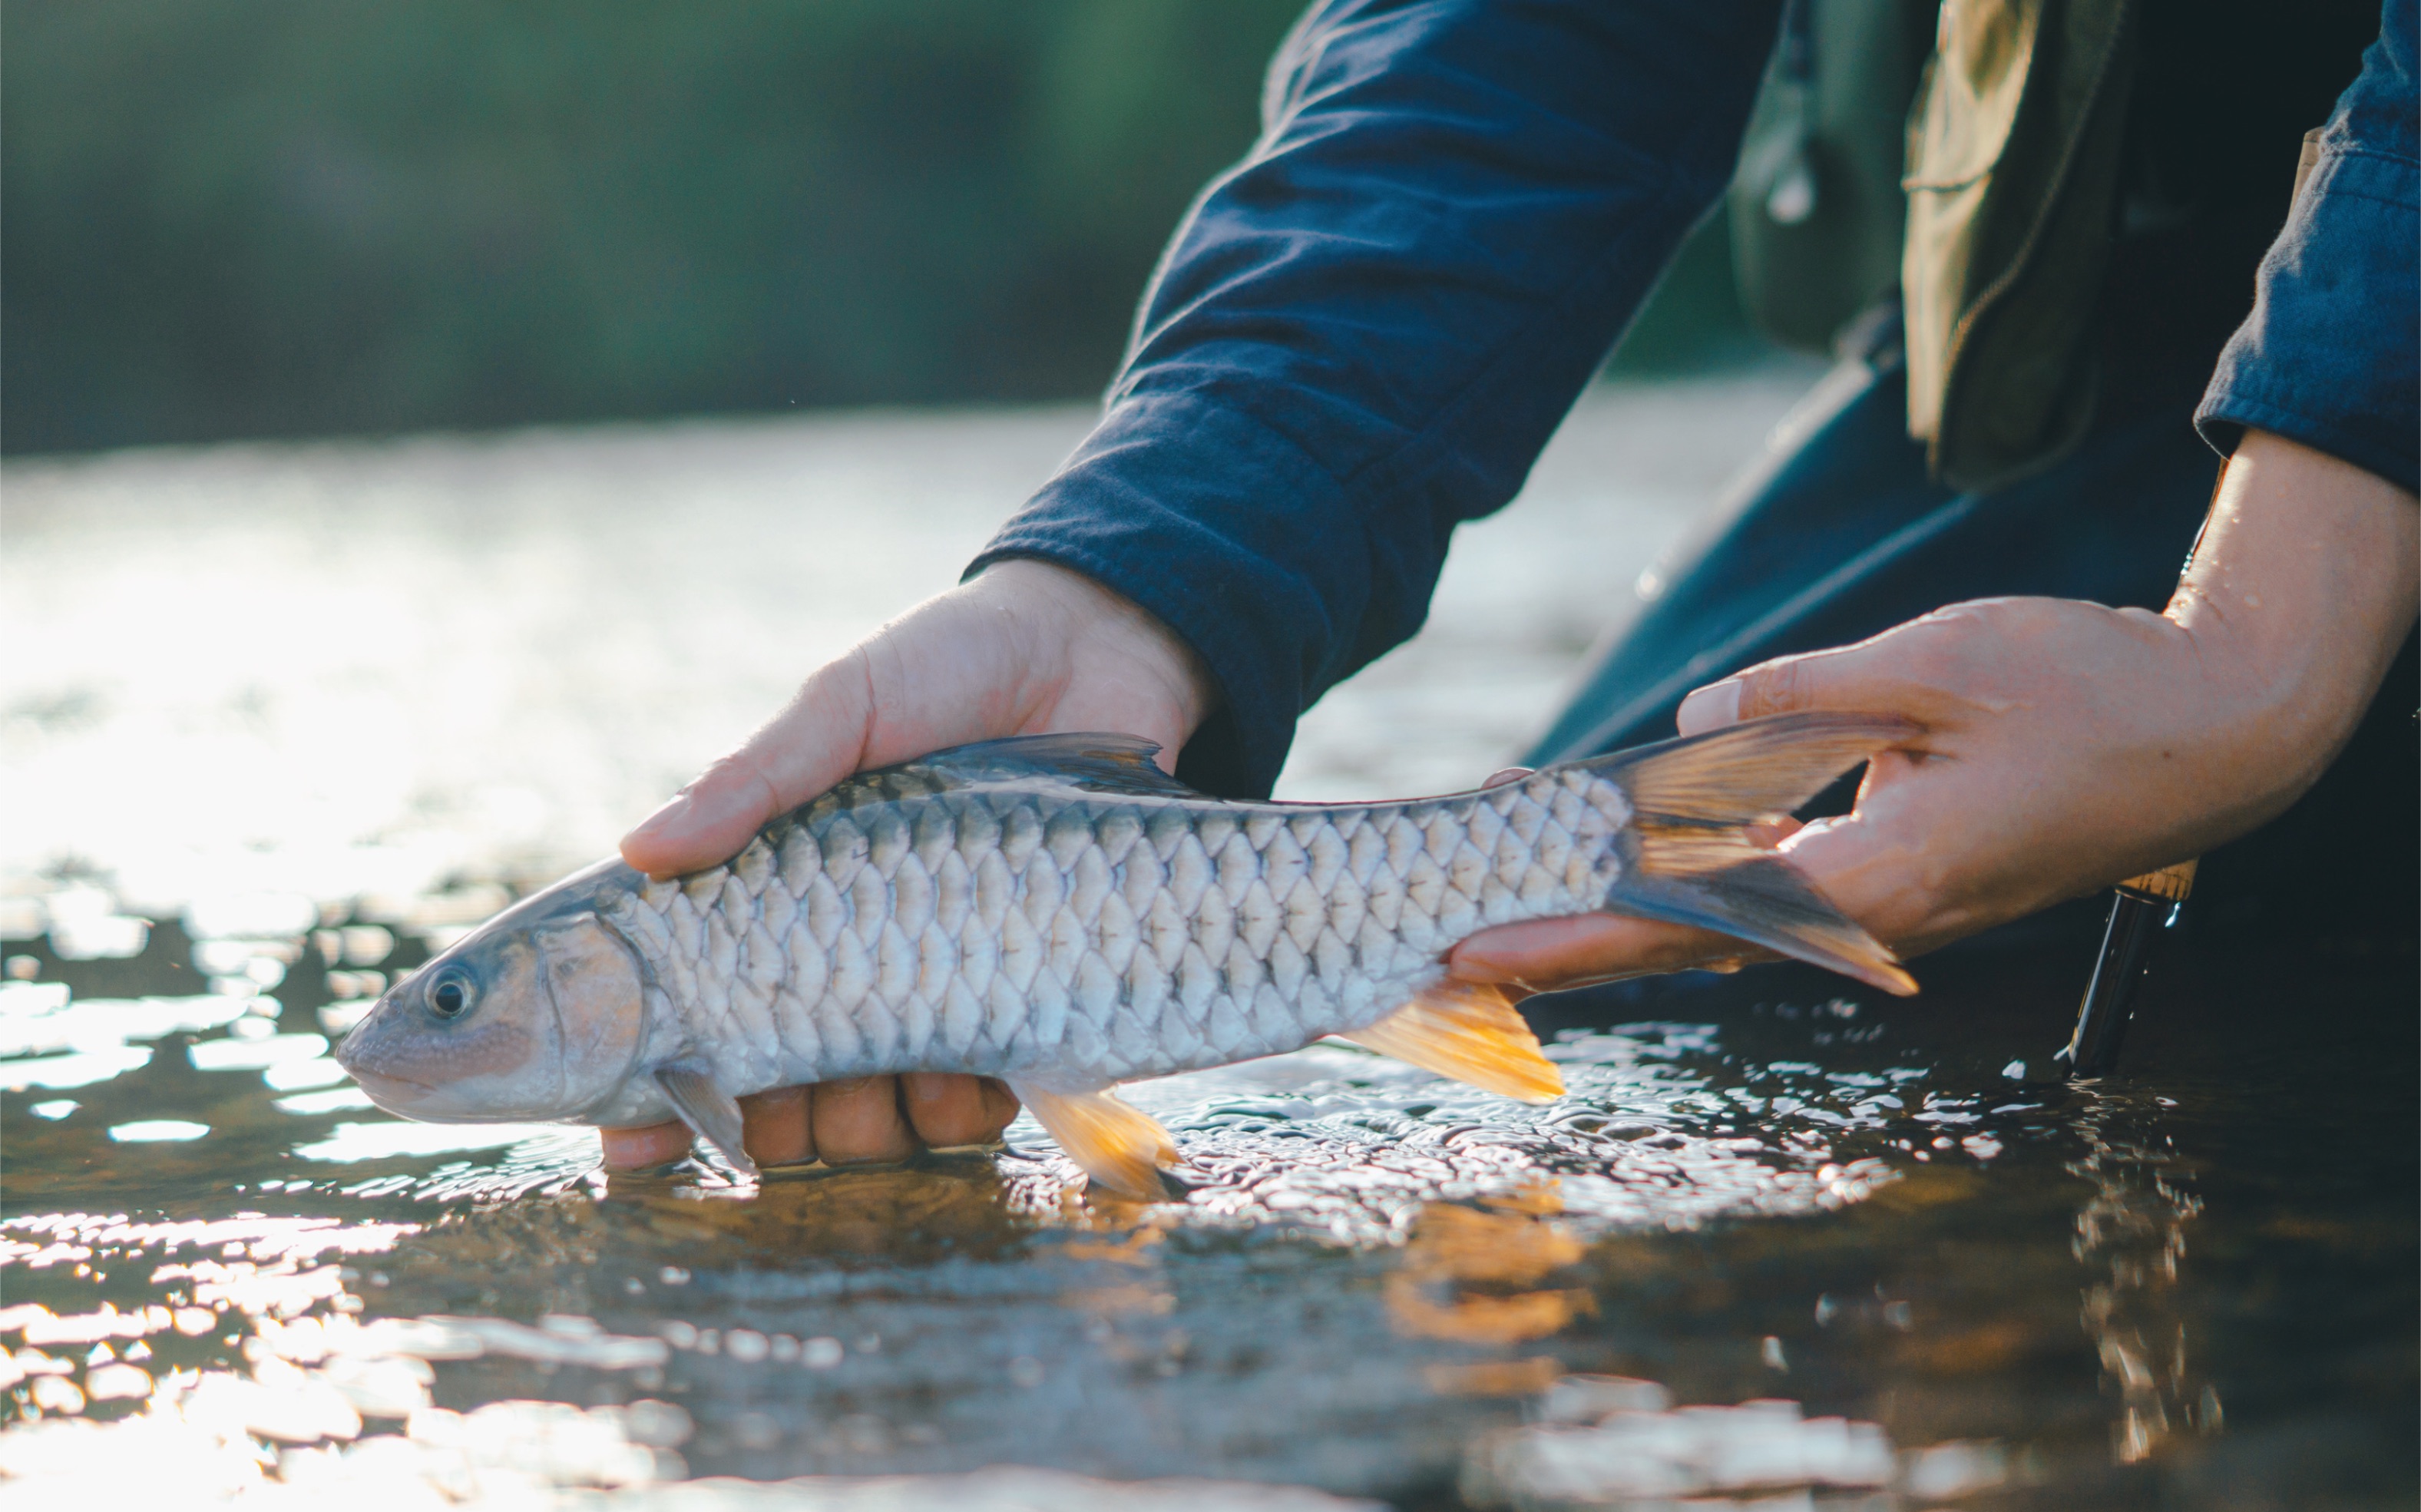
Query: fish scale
[{"x": 1137, "y": 936}]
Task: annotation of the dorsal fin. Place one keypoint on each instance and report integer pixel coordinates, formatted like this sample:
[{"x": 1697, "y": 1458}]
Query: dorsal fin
[
  {"x": 1089, "y": 761},
  {"x": 1092, "y": 761}
]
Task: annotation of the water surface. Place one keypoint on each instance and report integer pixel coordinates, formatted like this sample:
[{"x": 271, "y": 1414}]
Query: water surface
[{"x": 291, "y": 718}]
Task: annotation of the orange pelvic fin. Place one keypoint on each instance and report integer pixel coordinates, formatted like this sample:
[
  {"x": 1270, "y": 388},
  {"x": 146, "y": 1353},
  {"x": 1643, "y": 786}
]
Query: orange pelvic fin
[{"x": 1120, "y": 1147}]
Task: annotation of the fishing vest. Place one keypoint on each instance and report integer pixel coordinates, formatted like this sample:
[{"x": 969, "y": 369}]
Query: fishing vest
[{"x": 1980, "y": 174}]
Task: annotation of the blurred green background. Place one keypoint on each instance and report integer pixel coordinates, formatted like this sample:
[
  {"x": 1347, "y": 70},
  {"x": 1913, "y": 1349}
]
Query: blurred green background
[{"x": 224, "y": 218}]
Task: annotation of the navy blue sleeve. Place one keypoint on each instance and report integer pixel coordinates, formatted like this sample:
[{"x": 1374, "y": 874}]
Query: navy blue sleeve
[
  {"x": 2329, "y": 356},
  {"x": 1364, "y": 333}
]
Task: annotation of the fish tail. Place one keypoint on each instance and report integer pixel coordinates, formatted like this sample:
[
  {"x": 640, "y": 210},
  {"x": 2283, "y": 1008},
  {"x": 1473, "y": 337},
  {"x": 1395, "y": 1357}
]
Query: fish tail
[{"x": 1694, "y": 800}]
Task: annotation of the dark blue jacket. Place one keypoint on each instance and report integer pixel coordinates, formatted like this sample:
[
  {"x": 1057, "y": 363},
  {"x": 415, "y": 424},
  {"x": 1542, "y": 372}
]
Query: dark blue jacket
[
  {"x": 2327, "y": 357},
  {"x": 1363, "y": 335}
]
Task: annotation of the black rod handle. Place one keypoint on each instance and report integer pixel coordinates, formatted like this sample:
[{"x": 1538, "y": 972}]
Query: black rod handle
[{"x": 2145, "y": 906}]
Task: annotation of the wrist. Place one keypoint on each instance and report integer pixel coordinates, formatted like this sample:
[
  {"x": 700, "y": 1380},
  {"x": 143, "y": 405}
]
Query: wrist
[{"x": 1093, "y": 618}]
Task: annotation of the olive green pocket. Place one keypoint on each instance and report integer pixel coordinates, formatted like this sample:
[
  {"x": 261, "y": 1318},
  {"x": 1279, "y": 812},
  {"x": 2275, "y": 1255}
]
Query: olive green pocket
[
  {"x": 1816, "y": 206},
  {"x": 2013, "y": 154}
]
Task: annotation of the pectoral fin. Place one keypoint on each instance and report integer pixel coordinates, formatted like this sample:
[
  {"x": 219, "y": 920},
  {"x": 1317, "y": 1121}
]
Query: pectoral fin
[
  {"x": 711, "y": 1113},
  {"x": 1120, "y": 1147},
  {"x": 1471, "y": 1032}
]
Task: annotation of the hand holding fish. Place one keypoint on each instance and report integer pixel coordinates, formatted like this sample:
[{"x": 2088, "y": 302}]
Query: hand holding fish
[
  {"x": 1026, "y": 648},
  {"x": 2063, "y": 745}
]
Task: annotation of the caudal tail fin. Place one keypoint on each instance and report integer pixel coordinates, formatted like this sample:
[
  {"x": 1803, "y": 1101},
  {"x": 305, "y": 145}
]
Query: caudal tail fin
[{"x": 1694, "y": 800}]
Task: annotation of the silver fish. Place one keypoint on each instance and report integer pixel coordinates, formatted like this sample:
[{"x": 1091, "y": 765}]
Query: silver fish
[{"x": 1055, "y": 910}]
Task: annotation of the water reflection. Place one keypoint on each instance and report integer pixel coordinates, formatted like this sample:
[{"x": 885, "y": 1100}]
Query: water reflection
[
  {"x": 876, "y": 1319},
  {"x": 387, "y": 1139},
  {"x": 2130, "y": 1235},
  {"x": 1473, "y": 1274},
  {"x": 1650, "y": 1456},
  {"x": 150, "y": 1131},
  {"x": 1368, "y": 1265},
  {"x": 1738, "y": 1263}
]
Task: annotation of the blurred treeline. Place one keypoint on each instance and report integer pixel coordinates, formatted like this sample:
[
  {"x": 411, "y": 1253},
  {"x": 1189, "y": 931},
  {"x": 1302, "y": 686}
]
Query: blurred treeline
[{"x": 284, "y": 217}]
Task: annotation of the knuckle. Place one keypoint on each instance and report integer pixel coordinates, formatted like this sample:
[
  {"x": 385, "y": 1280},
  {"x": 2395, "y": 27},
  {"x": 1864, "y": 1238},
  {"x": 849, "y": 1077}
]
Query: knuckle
[
  {"x": 1924, "y": 652},
  {"x": 733, "y": 770},
  {"x": 1956, "y": 632},
  {"x": 1776, "y": 688}
]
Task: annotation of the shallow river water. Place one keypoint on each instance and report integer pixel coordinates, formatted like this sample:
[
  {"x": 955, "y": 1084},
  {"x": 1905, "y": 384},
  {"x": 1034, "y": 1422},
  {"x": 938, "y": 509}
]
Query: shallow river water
[{"x": 276, "y": 721}]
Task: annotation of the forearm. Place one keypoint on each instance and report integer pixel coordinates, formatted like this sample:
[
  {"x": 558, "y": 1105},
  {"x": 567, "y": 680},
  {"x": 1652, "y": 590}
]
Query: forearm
[
  {"x": 1363, "y": 335},
  {"x": 2301, "y": 590}
]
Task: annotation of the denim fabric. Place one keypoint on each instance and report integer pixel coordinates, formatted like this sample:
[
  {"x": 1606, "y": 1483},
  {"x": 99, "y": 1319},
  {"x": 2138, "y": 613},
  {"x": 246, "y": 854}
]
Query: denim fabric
[
  {"x": 2329, "y": 356},
  {"x": 1363, "y": 333}
]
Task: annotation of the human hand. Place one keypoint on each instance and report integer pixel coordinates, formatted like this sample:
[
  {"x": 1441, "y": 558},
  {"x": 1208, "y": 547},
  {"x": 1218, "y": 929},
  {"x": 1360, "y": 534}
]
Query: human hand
[
  {"x": 1026, "y": 648},
  {"x": 865, "y": 1120},
  {"x": 2062, "y": 746}
]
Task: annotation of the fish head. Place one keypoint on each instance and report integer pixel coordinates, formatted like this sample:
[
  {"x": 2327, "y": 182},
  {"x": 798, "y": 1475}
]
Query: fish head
[{"x": 538, "y": 1014}]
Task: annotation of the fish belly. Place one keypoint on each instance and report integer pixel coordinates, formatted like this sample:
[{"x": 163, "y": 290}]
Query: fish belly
[{"x": 1078, "y": 941}]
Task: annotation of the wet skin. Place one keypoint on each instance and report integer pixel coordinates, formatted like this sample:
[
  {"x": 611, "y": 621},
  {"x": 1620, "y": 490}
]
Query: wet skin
[
  {"x": 869, "y": 1119},
  {"x": 2061, "y": 746}
]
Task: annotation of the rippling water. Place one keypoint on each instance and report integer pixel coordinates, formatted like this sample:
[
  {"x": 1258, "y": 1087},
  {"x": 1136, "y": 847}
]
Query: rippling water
[{"x": 279, "y": 720}]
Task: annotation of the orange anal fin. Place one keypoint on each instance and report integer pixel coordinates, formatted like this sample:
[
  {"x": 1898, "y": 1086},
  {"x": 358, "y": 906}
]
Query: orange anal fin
[
  {"x": 1471, "y": 1032},
  {"x": 1120, "y": 1147}
]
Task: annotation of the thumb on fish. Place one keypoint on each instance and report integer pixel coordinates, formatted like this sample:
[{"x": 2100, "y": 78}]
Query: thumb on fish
[
  {"x": 814, "y": 741},
  {"x": 702, "y": 824}
]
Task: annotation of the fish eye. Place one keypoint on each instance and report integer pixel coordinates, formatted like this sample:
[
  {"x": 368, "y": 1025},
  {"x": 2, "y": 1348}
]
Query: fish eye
[{"x": 452, "y": 994}]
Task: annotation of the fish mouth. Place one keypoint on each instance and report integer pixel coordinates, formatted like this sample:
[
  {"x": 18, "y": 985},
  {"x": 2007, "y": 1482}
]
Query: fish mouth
[
  {"x": 347, "y": 1051},
  {"x": 393, "y": 1093}
]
